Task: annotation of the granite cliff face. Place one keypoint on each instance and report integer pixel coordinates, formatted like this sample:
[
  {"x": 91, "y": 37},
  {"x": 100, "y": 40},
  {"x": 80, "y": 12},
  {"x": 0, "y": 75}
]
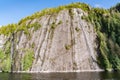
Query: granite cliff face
[
  {"x": 69, "y": 46},
  {"x": 63, "y": 41}
]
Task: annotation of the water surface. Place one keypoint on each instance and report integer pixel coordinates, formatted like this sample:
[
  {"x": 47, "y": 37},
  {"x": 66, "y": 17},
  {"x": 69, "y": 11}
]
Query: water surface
[{"x": 61, "y": 76}]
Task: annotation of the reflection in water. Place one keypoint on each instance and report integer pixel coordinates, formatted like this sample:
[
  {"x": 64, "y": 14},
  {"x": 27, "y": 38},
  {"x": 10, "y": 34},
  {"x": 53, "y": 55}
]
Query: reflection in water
[{"x": 62, "y": 76}]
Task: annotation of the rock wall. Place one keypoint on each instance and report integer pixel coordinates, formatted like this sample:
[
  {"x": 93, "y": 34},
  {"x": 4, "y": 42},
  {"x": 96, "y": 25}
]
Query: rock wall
[{"x": 65, "y": 42}]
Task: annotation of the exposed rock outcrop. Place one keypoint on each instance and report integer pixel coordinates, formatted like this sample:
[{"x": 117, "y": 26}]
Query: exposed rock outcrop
[
  {"x": 62, "y": 41},
  {"x": 65, "y": 42}
]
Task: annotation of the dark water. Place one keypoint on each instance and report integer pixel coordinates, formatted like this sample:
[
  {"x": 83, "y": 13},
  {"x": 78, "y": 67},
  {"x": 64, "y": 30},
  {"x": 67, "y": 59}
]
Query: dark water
[{"x": 62, "y": 76}]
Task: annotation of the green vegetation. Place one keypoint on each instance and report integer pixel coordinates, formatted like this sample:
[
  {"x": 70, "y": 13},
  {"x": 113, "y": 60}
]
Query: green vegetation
[
  {"x": 11, "y": 28},
  {"x": 33, "y": 45},
  {"x": 116, "y": 8},
  {"x": 35, "y": 25},
  {"x": 28, "y": 59},
  {"x": 5, "y": 62},
  {"x": 51, "y": 11},
  {"x": 60, "y": 22},
  {"x": 26, "y": 28},
  {"x": 2, "y": 55},
  {"x": 71, "y": 13},
  {"x": 67, "y": 47},
  {"x": 107, "y": 26},
  {"x": 77, "y": 29},
  {"x": 53, "y": 25},
  {"x": 7, "y": 30}
]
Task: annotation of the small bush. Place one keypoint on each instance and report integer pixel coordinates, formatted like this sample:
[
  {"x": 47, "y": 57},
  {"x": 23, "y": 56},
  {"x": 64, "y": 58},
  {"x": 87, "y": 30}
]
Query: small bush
[
  {"x": 53, "y": 25},
  {"x": 67, "y": 47},
  {"x": 2, "y": 54},
  {"x": 77, "y": 29},
  {"x": 28, "y": 60},
  {"x": 6, "y": 64},
  {"x": 60, "y": 22}
]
